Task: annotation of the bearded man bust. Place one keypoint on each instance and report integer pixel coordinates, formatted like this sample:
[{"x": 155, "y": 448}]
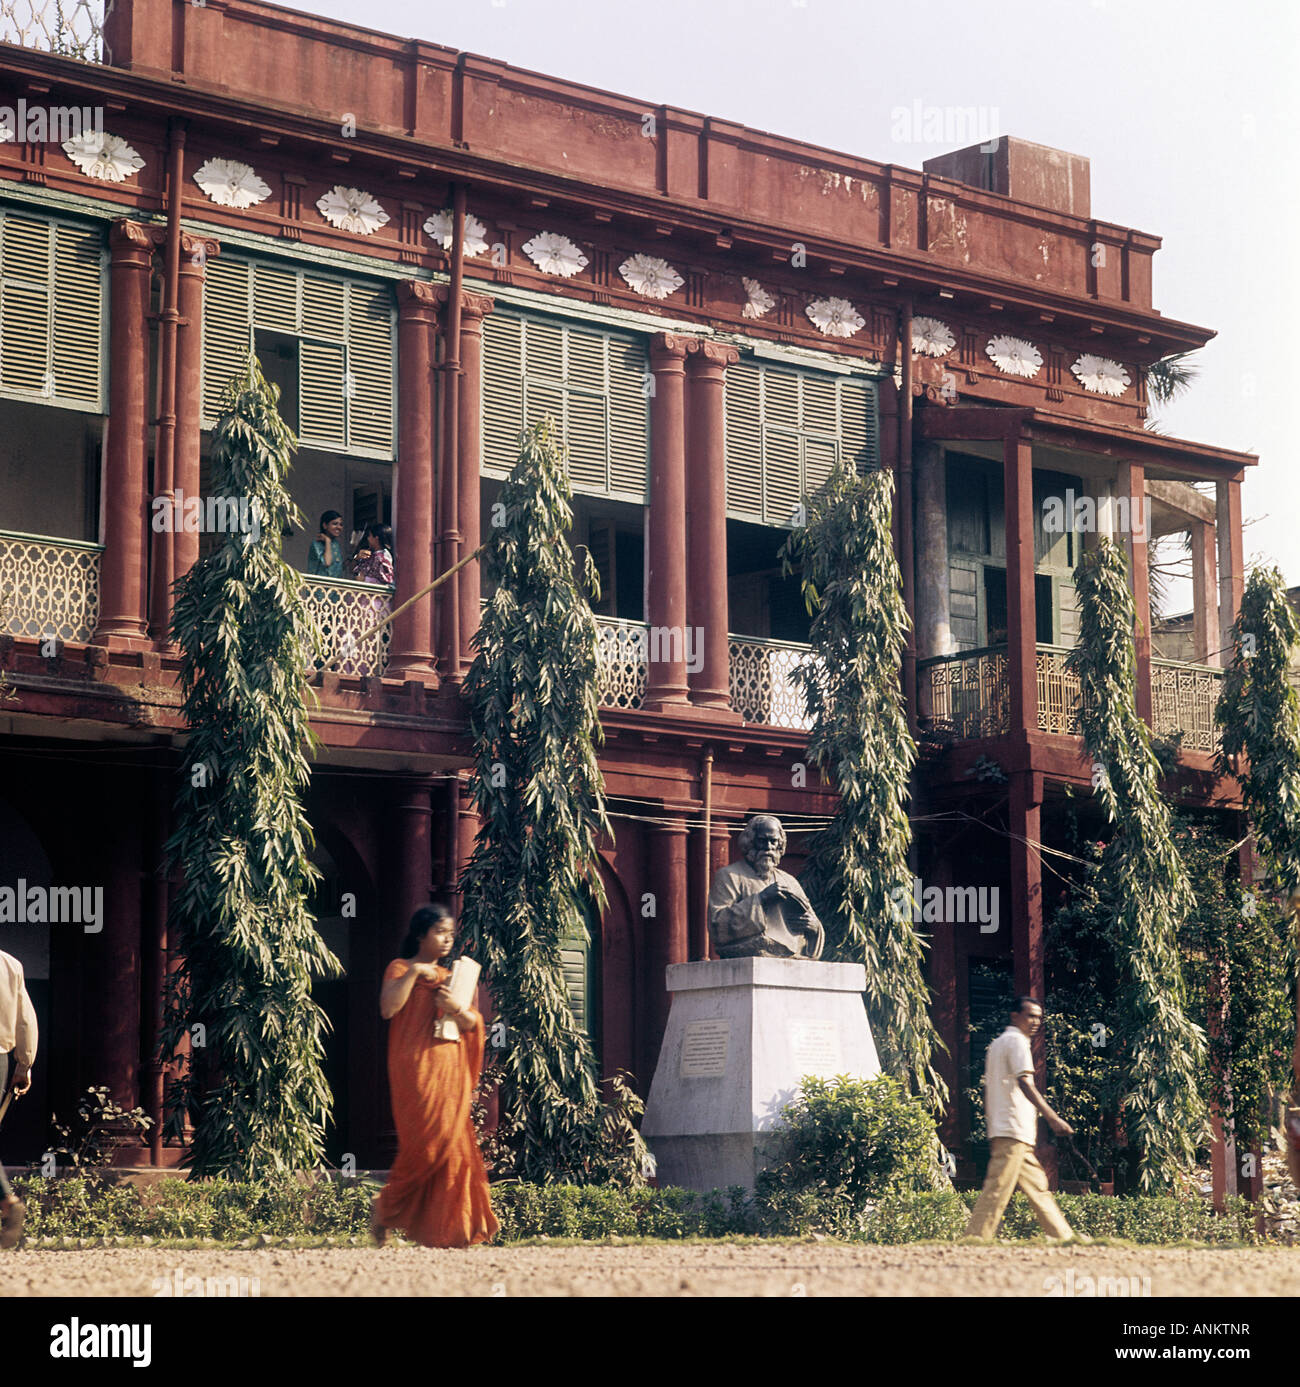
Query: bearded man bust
[{"x": 755, "y": 909}]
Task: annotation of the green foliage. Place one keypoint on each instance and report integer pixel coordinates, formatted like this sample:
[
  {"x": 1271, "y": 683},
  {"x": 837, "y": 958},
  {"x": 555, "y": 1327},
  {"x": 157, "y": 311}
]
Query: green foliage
[
  {"x": 532, "y": 700},
  {"x": 101, "y": 1127},
  {"x": 857, "y": 867},
  {"x": 255, "y": 1090},
  {"x": 1148, "y": 891},
  {"x": 1240, "y": 961},
  {"x": 1259, "y": 713},
  {"x": 846, "y": 1141},
  {"x": 1169, "y": 377}
]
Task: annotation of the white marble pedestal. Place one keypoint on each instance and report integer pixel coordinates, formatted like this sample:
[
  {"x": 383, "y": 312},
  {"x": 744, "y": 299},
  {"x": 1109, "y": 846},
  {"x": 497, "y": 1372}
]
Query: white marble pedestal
[{"x": 741, "y": 1033}]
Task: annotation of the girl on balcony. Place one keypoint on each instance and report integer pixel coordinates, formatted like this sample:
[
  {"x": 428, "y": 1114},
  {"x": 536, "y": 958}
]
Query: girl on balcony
[
  {"x": 437, "y": 1190},
  {"x": 373, "y": 560},
  {"x": 325, "y": 560}
]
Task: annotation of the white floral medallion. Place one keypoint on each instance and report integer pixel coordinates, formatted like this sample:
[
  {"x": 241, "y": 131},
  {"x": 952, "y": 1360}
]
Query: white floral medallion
[
  {"x": 102, "y": 156},
  {"x": 650, "y": 276},
  {"x": 1014, "y": 356},
  {"x": 1100, "y": 374},
  {"x": 930, "y": 337},
  {"x": 229, "y": 183},
  {"x": 439, "y": 227},
  {"x": 351, "y": 209},
  {"x": 758, "y": 302},
  {"x": 835, "y": 317},
  {"x": 554, "y": 254}
]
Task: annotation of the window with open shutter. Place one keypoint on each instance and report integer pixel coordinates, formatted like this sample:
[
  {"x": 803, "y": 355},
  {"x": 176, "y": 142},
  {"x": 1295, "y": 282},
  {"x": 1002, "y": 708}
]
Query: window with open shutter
[
  {"x": 785, "y": 431},
  {"x": 578, "y": 966},
  {"x": 589, "y": 381},
  {"x": 346, "y": 343},
  {"x": 52, "y": 311}
]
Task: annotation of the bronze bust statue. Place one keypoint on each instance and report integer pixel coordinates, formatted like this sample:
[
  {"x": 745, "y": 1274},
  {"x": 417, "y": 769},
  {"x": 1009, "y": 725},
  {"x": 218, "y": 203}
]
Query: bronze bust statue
[{"x": 755, "y": 909}]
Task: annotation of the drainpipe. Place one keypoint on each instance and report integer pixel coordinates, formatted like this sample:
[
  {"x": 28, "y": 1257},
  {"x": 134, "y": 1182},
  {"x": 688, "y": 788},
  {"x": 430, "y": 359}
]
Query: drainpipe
[
  {"x": 164, "y": 468},
  {"x": 449, "y": 631},
  {"x": 700, "y": 942},
  {"x": 906, "y": 556}
]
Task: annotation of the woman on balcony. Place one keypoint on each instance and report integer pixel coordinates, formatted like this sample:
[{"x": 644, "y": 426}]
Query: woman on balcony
[
  {"x": 325, "y": 559},
  {"x": 373, "y": 560}
]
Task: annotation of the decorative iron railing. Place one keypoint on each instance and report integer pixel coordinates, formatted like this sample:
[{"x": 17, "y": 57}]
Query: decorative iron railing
[
  {"x": 969, "y": 696},
  {"x": 49, "y": 588},
  {"x": 1058, "y": 693},
  {"x": 763, "y": 688},
  {"x": 343, "y": 611},
  {"x": 70, "y": 28},
  {"x": 1182, "y": 700},
  {"x": 622, "y": 649}
]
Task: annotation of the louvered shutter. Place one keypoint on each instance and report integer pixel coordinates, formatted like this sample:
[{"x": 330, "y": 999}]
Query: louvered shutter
[
  {"x": 227, "y": 329},
  {"x": 586, "y": 418},
  {"x": 859, "y": 427},
  {"x": 322, "y": 413},
  {"x": 78, "y": 332},
  {"x": 575, "y": 965},
  {"x": 276, "y": 292},
  {"x": 744, "y": 441},
  {"x": 629, "y": 413},
  {"x": 819, "y": 456},
  {"x": 782, "y": 487},
  {"x": 503, "y": 392},
  {"x": 25, "y": 305},
  {"x": 370, "y": 369}
]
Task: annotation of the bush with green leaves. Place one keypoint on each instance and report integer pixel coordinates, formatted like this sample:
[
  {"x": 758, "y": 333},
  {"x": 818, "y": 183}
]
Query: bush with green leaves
[{"x": 848, "y": 1140}]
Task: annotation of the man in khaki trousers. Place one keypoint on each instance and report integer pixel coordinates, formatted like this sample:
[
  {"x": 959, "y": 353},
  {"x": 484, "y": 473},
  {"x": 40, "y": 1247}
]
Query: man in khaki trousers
[{"x": 1011, "y": 1108}]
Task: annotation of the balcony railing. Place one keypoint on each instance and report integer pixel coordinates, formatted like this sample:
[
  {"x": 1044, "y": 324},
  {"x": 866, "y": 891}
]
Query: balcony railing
[
  {"x": 762, "y": 681},
  {"x": 70, "y": 28},
  {"x": 49, "y": 588},
  {"x": 621, "y": 658},
  {"x": 969, "y": 696},
  {"x": 343, "y": 611},
  {"x": 1183, "y": 699}
]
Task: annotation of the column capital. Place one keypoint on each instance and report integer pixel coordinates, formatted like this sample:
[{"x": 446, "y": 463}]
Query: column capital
[
  {"x": 668, "y": 350},
  {"x": 417, "y": 298},
  {"x": 703, "y": 354},
  {"x": 196, "y": 251},
  {"x": 130, "y": 241},
  {"x": 473, "y": 307}
]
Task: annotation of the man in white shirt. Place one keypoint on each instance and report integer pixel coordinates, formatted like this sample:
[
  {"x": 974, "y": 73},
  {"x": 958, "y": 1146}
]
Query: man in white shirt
[
  {"x": 17, "y": 1044},
  {"x": 1011, "y": 1108}
]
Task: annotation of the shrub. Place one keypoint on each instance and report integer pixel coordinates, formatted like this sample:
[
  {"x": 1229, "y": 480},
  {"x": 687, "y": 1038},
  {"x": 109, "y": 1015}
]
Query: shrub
[{"x": 847, "y": 1141}]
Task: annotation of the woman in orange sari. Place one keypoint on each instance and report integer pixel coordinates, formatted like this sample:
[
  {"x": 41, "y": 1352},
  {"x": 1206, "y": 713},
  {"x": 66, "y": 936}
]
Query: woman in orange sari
[{"x": 437, "y": 1190}]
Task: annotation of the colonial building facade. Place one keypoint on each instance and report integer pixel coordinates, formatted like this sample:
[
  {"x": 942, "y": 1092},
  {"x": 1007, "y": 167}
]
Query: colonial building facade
[{"x": 427, "y": 250}]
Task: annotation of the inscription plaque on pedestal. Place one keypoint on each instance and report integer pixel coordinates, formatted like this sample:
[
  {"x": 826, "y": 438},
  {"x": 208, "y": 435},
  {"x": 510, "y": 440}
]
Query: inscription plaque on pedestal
[
  {"x": 704, "y": 1049},
  {"x": 815, "y": 1048}
]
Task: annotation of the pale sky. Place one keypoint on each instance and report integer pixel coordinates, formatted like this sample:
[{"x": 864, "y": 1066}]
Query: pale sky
[{"x": 1188, "y": 110}]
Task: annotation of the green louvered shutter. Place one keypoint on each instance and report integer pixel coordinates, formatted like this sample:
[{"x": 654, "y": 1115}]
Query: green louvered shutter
[
  {"x": 370, "y": 369},
  {"x": 859, "y": 423},
  {"x": 322, "y": 399},
  {"x": 744, "y": 441},
  {"x": 227, "y": 329},
  {"x": 25, "y": 308},
  {"x": 276, "y": 298},
  {"x": 78, "y": 328},
  {"x": 629, "y": 419},
  {"x": 503, "y": 392},
  {"x": 576, "y": 964},
  {"x": 586, "y": 423},
  {"x": 819, "y": 455},
  {"x": 782, "y": 483}
]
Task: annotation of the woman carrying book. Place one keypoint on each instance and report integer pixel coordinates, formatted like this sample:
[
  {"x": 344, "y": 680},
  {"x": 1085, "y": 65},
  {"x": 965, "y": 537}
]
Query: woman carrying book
[{"x": 437, "y": 1190}]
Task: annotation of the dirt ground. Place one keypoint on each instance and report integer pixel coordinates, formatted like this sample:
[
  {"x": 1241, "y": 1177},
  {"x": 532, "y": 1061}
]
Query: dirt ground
[{"x": 664, "y": 1270}]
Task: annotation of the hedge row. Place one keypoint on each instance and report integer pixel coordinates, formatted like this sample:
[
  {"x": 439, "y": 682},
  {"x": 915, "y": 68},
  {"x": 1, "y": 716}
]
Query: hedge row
[{"x": 328, "y": 1208}]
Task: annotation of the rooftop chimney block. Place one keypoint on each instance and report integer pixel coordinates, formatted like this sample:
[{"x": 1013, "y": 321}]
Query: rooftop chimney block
[{"x": 1031, "y": 173}]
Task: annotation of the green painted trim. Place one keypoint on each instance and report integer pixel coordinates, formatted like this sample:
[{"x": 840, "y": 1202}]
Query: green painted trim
[
  {"x": 298, "y": 252},
  {"x": 37, "y": 195}
]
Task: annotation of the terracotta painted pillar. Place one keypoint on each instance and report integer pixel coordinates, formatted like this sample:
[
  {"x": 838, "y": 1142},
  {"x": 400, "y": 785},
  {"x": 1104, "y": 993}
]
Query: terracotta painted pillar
[
  {"x": 666, "y": 585},
  {"x": 1132, "y": 485},
  {"x": 113, "y": 955},
  {"x": 123, "y": 616},
  {"x": 1022, "y": 648},
  {"x": 1231, "y": 567},
  {"x": 665, "y": 931},
  {"x": 943, "y": 984},
  {"x": 933, "y": 615},
  {"x": 1025, "y": 793},
  {"x": 195, "y": 254},
  {"x": 411, "y": 656},
  {"x": 706, "y": 502},
  {"x": 412, "y": 850},
  {"x": 473, "y": 309},
  {"x": 1205, "y": 619}
]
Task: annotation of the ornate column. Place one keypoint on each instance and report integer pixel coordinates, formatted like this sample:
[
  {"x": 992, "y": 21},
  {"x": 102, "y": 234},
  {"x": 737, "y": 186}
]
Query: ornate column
[
  {"x": 122, "y": 613},
  {"x": 1132, "y": 484},
  {"x": 706, "y": 504},
  {"x": 665, "y": 931},
  {"x": 411, "y": 656},
  {"x": 933, "y": 615},
  {"x": 195, "y": 254},
  {"x": 666, "y": 585},
  {"x": 473, "y": 309},
  {"x": 1022, "y": 648}
]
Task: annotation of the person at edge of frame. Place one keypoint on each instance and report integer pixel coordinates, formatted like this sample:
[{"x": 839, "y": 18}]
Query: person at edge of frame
[{"x": 18, "y": 1038}]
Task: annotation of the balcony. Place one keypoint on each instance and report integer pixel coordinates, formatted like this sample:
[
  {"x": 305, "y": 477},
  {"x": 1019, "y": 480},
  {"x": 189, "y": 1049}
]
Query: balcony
[
  {"x": 49, "y": 588},
  {"x": 343, "y": 612},
  {"x": 969, "y": 696},
  {"x": 70, "y": 28}
]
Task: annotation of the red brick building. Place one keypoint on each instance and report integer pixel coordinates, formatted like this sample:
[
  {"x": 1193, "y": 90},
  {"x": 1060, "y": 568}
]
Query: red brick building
[{"x": 713, "y": 315}]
